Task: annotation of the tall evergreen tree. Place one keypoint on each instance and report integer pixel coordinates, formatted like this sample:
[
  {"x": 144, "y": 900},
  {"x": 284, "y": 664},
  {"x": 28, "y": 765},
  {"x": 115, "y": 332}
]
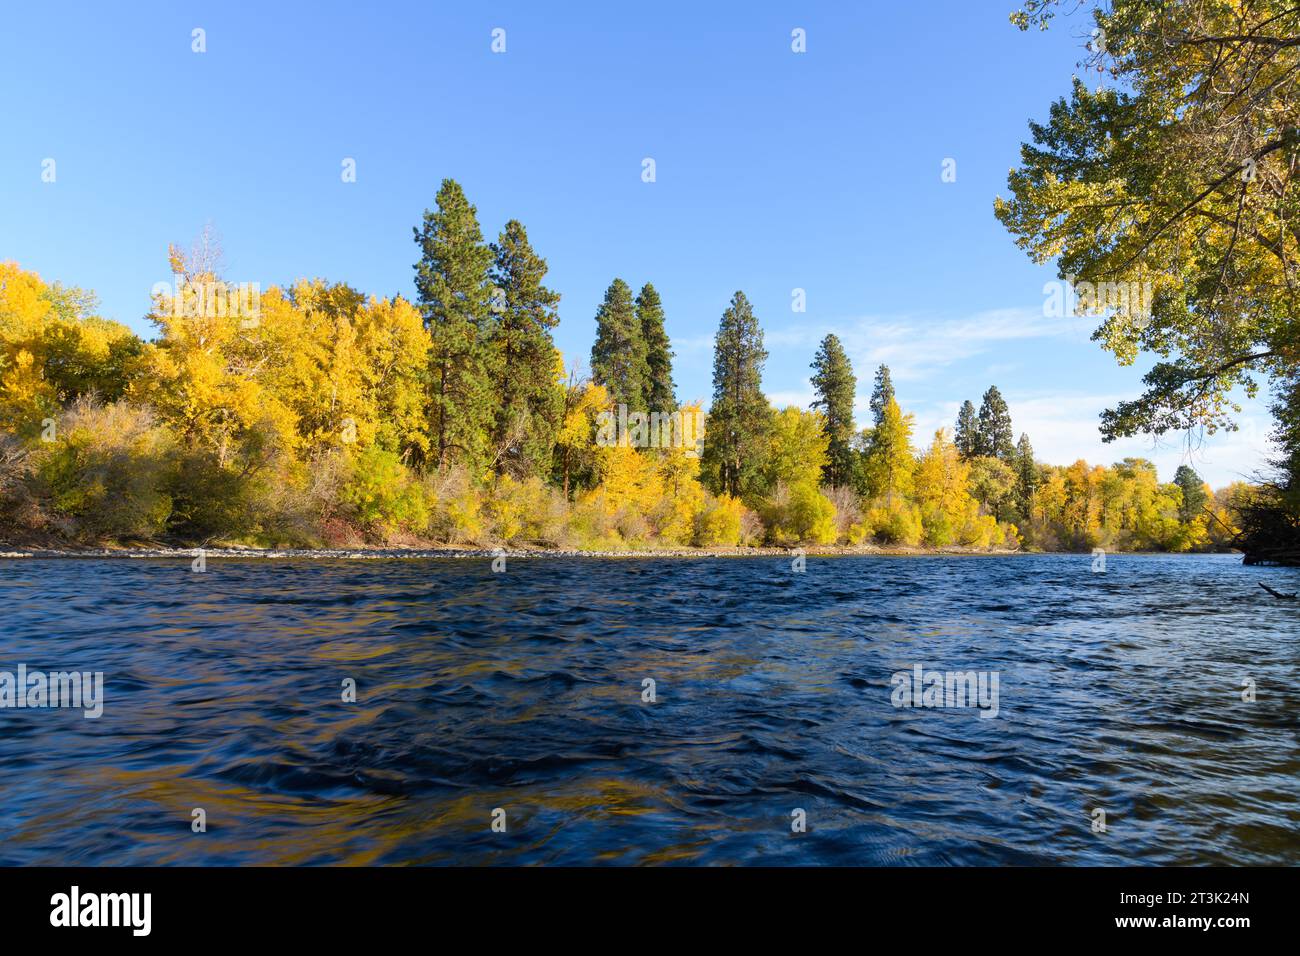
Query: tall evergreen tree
[
  {"x": 454, "y": 298},
  {"x": 526, "y": 363},
  {"x": 738, "y": 422},
  {"x": 881, "y": 394},
  {"x": 966, "y": 436},
  {"x": 660, "y": 394},
  {"x": 1194, "y": 496},
  {"x": 994, "y": 427},
  {"x": 1026, "y": 475},
  {"x": 618, "y": 356},
  {"x": 836, "y": 386}
]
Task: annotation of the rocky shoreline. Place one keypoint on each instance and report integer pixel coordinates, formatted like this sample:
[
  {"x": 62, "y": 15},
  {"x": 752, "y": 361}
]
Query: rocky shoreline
[{"x": 462, "y": 552}]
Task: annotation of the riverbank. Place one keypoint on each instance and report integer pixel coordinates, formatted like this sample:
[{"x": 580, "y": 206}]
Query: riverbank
[
  {"x": 466, "y": 552},
  {"x": 450, "y": 551}
]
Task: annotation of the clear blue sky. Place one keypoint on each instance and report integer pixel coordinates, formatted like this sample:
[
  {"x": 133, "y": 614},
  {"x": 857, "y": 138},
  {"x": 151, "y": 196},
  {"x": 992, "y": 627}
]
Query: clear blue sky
[{"x": 775, "y": 171}]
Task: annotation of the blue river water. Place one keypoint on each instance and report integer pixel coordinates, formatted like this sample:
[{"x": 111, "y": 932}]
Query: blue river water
[{"x": 505, "y": 718}]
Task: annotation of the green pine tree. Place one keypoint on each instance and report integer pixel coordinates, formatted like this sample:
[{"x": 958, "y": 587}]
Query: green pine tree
[
  {"x": 618, "y": 357},
  {"x": 740, "y": 417},
  {"x": 836, "y": 386},
  {"x": 966, "y": 436},
  {"x": 1026, "y": 476},
  {"x": 994, "y": 427},
  {"x": 660, "y": 394},
  {"x": 881, "y": 394},
  {"x": 1194, "y": 496},
  {"x": 454, "y": 298},
  {"x": 526, "y": 362}
]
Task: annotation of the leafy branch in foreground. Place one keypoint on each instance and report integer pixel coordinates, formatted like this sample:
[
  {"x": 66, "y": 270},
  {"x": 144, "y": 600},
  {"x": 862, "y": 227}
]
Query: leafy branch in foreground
[{"x": 1182, "y": 180}]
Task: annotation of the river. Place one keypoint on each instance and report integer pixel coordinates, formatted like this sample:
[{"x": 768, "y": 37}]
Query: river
[{"x": 506, "y": 717}]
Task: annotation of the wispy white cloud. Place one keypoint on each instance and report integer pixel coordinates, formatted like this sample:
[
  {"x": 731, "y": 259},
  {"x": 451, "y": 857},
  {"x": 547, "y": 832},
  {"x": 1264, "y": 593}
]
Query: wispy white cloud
[
  {"x": 693, "y": 345},
  {"x": 912, "y": 346},
  {"x": 999, "y": 369},
  {"x": 916, "y": 348},
  {"x": 803, "y": 398}
]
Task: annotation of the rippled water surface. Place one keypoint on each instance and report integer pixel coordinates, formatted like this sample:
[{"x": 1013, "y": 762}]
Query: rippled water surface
[{"x": 523, "y": 691}]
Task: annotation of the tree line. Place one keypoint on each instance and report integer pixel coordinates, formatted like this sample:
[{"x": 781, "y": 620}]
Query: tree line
[{"x": 328, "y": 417}]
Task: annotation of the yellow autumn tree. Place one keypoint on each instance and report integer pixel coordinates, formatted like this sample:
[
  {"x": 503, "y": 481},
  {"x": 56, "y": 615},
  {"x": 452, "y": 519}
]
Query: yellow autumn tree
[
  {"x": 206, "y": 374},
  {"x": 314, "y": 366},
  {"x": 210, "y": 377},
  {"x": 629, "y": 480},
  {"x": 575, "y": 440},
  {"x": 682, "y": 497},
  {"x": 393, "y": 347},
  {"x": 795, "y": 511},
  {"x": 949, "y": 514},
  {"x": 797, "y": 446},
  {"x": 349, "y": 368},
  {"x": 54, "y": 350}
]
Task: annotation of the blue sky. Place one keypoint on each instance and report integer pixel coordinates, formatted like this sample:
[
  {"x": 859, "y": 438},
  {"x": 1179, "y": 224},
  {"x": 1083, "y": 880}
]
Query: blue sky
[{"x": 774, "y": 171}]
